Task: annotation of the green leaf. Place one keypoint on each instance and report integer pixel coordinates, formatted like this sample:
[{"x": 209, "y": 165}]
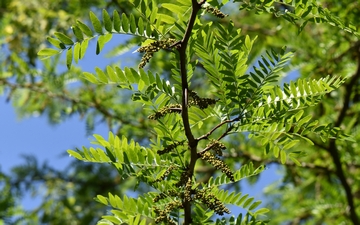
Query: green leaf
[
  {"x": 175, "y": 8},
  {"x": 69, "y": 58},
  {"x": 75, "y": 154},
  {"x": 56, "y": 43},
  {"x": 117, "y": 21},
  {"x": 78, "y": 33},
  {"x": 254, "y": 205},
  {"x": 256, "y": 78},
  {"x": 77, "y": 52},
  {"x": 109, "y": 220},
  {"x": 125, "y": 23},
  {"x": 166, "y": 18},
  {"x": 102, "y": 76},
  {"x": 102, "y": 40},
  {"x": 140, "y": 26},
  {"x": 148, "y": 30},
  {"x": 90, "y": 77},
  {"x": 110, "y": 155},
  {"x": 96, "y": 23},
  {"x": 111, "y": 73},
  {"x": 132, "y": 24},
  {"x": 294, "y": 160},
  {"x": 63, "y": 38},
  {"x": 102, "y": 199},
  {"x": 83, "y": 47},
  {"x": 299, "y": 114},
  {"x": 293, "y": 89},
  {"x": 304, "y": 120},
  {"x": 107, "y": 21},
  {"x": 248, "y": 44},
  {"x": 261, "y": 211},
  {"x": 48, "y": 52},
  {"x": 153, "y": 15},
  {"x": 290, "y": 144},
  {"x": 276, "y": 151},
  {"x": 283, "y": 157},
  {"x": 248, "y": 201},
  {"x": 84, "y": 28}
]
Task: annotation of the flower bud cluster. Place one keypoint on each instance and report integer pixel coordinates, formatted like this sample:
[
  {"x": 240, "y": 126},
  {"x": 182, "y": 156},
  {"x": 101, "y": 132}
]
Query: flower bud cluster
[
  {"x": 203, "y": 103},
  {"x": 215, "y": 12},
  {"x": 167, "y": 172},
  {"x": 172, "y": 108},
  {"x": 163, "y": 215},
  {"x": 159, "y": 197},
  {"x": 187, "y": 192},
  {"x": 218, "y": 164},
  {"x": 184, "y": 178},
  {"x": 170, "y": 147},
  {"x": 163, "y": 195},
  {"x": 153, "y": 47},
  {"x": 211, "y": 201},
  {"x": 217, "y": 146}
]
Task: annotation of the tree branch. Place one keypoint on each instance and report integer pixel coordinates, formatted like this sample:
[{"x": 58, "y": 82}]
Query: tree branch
[
  {"x": 182, "y": 46},
  {"x": 205, "y": 136},
  {"x": 334, "y": 152}
]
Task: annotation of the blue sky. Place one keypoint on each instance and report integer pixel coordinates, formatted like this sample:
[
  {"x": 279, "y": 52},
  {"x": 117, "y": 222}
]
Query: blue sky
[{"x": 48, "y": 143}]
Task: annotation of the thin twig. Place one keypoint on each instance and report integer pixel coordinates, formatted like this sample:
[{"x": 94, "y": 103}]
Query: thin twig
[
  {"x": 205, "y": 136},
  {"x": 207, "y": 148}
]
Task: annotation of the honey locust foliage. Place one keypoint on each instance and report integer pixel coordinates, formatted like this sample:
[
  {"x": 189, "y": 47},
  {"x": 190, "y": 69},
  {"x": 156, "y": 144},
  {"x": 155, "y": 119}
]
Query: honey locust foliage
[{"x": 190, "y": 129}]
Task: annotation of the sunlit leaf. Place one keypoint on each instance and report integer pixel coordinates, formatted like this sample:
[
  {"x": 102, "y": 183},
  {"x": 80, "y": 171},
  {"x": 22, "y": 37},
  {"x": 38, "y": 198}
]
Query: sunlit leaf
[
  {"x": 63, "y": 38},
  {"x": 84, "y": 28},
  {"x": 69, "y": 58},
  {"x": 96, "y": 23}
]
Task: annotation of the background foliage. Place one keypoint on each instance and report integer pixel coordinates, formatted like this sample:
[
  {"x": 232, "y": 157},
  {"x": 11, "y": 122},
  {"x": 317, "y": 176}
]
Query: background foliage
[{"x": 324, "y": 189}]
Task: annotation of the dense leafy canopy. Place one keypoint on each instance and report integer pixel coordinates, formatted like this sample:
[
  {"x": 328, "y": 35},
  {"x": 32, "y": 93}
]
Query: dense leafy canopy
[{"x": 206, "y": 99}]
